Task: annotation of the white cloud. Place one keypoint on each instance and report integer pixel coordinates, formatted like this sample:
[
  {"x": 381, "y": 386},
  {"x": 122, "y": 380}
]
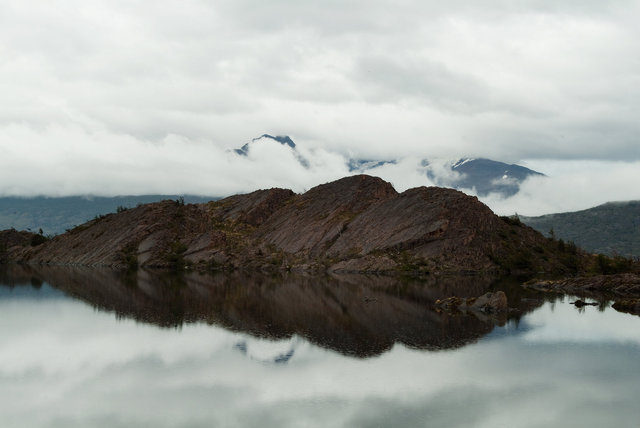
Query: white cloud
[
  {"x": 95, "y": 87},
  {"x": 570, "y": 186}
]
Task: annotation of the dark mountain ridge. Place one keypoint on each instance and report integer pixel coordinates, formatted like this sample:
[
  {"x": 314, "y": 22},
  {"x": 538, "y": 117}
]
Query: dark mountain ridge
[
  {"x": 612, "y": 228},
  {"x": 358, "y": 223},
  {"x": 489, "y": 176}
]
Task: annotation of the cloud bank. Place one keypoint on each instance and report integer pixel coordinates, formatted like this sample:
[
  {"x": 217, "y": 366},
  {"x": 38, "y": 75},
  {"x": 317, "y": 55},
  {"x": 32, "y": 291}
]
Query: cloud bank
[{"x": 111, "y": 97}]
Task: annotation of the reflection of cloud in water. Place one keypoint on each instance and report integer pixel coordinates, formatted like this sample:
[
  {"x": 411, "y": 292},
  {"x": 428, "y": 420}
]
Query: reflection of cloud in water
[
  {"x": 65, "y": 364},
  {"x": 565, "y": 323}
]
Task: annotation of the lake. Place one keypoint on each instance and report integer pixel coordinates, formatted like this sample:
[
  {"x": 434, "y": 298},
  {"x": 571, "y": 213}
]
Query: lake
[{"x": 84, "y": 347}]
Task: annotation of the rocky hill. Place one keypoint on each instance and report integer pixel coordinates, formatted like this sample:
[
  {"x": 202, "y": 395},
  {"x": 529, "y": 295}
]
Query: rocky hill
[{"x": 358, "y": 223}]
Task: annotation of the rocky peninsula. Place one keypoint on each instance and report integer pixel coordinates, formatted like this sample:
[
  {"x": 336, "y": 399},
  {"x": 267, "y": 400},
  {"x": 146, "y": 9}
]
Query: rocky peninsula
[{"x": 355, "y": 224}]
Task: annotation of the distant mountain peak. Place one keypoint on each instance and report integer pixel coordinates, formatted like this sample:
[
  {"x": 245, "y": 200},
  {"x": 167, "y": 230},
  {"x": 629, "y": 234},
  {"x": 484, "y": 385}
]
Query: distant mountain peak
[
  {"x": 285, "y": 140},
  {"x": 362, "y": 165},
  {"x": 490, "y": 176},
  {"x": 282, "y": 139}
]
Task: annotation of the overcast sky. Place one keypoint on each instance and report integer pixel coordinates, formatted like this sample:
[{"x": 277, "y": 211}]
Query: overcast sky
[{"x": 122, "y": 97}]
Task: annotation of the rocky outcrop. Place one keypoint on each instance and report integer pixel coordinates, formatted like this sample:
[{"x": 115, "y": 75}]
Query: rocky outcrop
[
  {"x": 358, "y": 223},
  {"x": 487, "y": 303}
]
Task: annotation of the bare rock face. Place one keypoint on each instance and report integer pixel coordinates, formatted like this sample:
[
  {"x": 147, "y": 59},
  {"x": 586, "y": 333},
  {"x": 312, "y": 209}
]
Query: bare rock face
[
  {"x": 253, "y": 208},
  {"x": 358, "y": 223},
  {"x": 427, "y": 222},
  {"x": 312, "y": 222}
]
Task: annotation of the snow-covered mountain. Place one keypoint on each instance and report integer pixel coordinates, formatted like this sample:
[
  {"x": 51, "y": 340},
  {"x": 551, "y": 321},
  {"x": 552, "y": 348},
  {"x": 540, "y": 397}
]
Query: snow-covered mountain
[{"x": 489, "y": 176}]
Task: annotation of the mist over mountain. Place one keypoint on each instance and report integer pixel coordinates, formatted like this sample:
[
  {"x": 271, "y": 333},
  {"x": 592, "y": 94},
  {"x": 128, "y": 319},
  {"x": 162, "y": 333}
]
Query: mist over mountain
[{"x": 482, "y": 176}]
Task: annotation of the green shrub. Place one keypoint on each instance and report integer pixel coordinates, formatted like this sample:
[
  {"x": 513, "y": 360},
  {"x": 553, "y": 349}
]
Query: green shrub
[
  {"x": 611, "y": 265},
  {"x": 129, "y": 256},
  {"x": 175, "y": 255},
  {"x": 513, "y": 220},
  {"x": 38, "y": 239}
]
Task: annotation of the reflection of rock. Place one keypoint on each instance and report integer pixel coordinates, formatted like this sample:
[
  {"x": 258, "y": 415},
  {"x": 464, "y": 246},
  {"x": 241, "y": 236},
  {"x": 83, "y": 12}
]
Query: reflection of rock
[
  {"x": 630, "y": 306},
  {"x": 355, "y": 315},
  {"x": 489, "y": 307},
  {"x": 487, "y": 303},
  {"x": 620, "y": 285},
  {"x": 581, "y": 303}
]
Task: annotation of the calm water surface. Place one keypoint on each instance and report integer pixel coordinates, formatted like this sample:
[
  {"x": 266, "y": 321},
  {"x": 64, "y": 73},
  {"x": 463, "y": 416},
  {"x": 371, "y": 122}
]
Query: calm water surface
[{"x": 89, "y": 347}]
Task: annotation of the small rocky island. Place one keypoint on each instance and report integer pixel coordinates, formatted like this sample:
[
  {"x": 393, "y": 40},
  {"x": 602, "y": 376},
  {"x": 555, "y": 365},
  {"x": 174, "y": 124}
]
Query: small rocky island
[{"x": 355, "y": 224}]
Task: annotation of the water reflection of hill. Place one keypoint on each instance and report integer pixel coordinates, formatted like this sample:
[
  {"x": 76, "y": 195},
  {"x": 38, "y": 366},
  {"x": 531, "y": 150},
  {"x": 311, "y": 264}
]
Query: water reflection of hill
[{"x": 356, "y": 315}]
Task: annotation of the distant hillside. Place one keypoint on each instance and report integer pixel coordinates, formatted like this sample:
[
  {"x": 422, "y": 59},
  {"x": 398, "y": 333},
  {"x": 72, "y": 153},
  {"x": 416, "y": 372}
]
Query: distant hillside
[
  {"x": 55, "y": 215},
  {"x": 612, "y": 228}
]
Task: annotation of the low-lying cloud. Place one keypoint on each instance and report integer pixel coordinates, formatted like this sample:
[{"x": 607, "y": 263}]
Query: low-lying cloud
[
  {"x": 107, "y": 164},
  {"x": 571, "y": 186}
]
